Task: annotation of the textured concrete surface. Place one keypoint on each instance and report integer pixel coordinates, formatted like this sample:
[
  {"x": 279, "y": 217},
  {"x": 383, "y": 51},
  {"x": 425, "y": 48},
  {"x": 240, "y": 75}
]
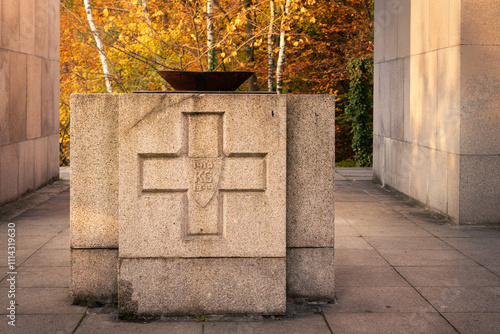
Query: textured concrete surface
[
  {"x": 453, "y": 288},
  {"x": 203, "y": 175},
  {"x": 29, "y": 89},
  {"x": 310, "y": 170}
]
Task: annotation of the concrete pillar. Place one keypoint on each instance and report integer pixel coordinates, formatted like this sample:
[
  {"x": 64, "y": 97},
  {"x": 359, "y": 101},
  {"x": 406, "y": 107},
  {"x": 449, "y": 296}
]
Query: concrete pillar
[{"x": 436, "y": 116}]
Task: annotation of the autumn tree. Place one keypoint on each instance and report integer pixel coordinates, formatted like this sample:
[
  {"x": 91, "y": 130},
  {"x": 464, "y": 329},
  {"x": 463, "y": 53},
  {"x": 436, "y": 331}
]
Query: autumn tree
[{"x": 142, "y": 36}]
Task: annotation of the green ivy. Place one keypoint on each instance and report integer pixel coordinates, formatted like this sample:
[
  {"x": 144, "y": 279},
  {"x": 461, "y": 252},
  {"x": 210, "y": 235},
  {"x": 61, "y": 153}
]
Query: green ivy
[{"x": 360, "y": 109}]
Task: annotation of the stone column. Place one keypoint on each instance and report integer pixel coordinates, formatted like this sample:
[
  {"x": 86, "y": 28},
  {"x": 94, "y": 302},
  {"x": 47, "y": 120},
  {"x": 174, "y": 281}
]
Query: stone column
[{"x": 437, "y": 92}]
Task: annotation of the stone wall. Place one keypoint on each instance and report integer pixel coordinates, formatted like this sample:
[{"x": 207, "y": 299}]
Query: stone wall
[
  {"x": 436, "y": 100},
  {"x": 29, "y": 95}
]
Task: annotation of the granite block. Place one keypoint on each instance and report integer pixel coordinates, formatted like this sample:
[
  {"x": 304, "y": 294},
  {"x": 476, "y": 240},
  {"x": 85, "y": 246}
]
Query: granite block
[
  {"x": 377, "y": 100},
  {"x": 480, "y": 97},
  {"x": 4, "y": 101},
  {"x": 17, "y": 97},
  {"x": 310, "y": 273},
  {"x": 403, "y": 165},
  {"x": 53, "y": 33},
  {"x": 406, "y": 100},
  {"x": 438, "y": 183},
  {"x": 391, "y": 32},
  {"x": 479, "y": 190},
  {"x": 480, "y": 24},
  {"x": 397, "y": 112},
  {"x": 379, "y": 170},
  {"x": 34, "y": 98},
  {"x": 448, "y": 103},
  {"x": 419, "y": 174},
  {"x": 439, "y": 24},
  {"x": 94, "y": 164},
  {"x": 26, "y": 166},
  {"x": 310, "y": 170},
  {"x": 50, "y": 72},
  {"x": 41, "y": 162},
  {"x": 41, "y": 28},
  {"x": 27, "y": 26},
  {"x": 404, "y": 28},
  {"x": 223, "y": 186},
  {"x": 455, "y": 27},
  {"x": 9, "y": 177},
  {"x": 384, "y": 114},
  {"x": 419, "y": 27},
  {"x": 202, "y": 286},
  {"x": 10, "y": 24},
  {"x": 53, "y": 156},
  {"x": 94, "y": 274},
  {"x": 379, "y": 31},
  {"x": 453, "y": 180}
]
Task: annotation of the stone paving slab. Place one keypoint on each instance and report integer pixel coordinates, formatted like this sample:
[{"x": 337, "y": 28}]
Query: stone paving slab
[{"x": 444, "y": 279}]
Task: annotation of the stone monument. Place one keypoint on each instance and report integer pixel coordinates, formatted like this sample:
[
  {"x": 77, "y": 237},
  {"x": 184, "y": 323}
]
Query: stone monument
[{"x": 188, "y": 203}]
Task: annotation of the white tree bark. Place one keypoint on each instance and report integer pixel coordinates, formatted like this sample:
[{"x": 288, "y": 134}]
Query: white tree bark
[
  {"x": 270, "y": 60},
  {"x": 210, "y": 35},
  {"x": 100, "y": 46},
  {"x": 281, "y": 55}
]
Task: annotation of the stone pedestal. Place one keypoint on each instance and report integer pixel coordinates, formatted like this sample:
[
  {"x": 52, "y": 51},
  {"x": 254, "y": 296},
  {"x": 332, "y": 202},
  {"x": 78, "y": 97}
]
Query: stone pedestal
[{"x": 181, "y": 202}]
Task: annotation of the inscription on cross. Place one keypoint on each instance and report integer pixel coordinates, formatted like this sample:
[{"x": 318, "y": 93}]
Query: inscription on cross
[{"x": 203, "y": 175}]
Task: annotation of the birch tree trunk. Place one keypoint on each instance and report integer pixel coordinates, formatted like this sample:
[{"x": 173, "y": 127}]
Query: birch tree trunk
[
  {"x": 281, "y": 55},
  {"x": 100, "y": 47},
  {"x": 210, "y": 35},
  {"x": 270, "y": 60}
]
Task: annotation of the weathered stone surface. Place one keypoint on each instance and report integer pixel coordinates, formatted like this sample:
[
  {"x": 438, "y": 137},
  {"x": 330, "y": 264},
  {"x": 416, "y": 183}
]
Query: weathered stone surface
[
  {"x": 404, "y": 28},
  {"x": 53, "y": 156},
  {"x": 53, "y": 33},
  {"x": 4, "y": 92},
  {"x": 41, "y": 163},
  {"x": 94, "y": 274},
  {"x": 23, "y": 95},
  {"x": 26, "y": 166},
  {"x": 480, "y": 98},
  {"x": 310, "y": 170},
  {"x": 94, "y": 178},
  {"x": 41, "y": 28},
  {"x": 202, "y": 175},
  {"x": 439, "y": 24},
  {"x": 479, "y": 207},
  {"x": 9, "y": 177},
  {"x": 480, "y": 24},
  {"x": 49, "y": 106},
  {"x": 202, "y": 286},
  {"x": 10, "y": 23},
  {"x": 419, "y": 33},
  {"x": 202, "y": 198},
  {"x": 17, "y": 97},
  {"x": 450, "y": 102},
  {"x": 310, "y": 273},
  {"x": 27, "y": 26},
  {"x": 34, "y": 98}
]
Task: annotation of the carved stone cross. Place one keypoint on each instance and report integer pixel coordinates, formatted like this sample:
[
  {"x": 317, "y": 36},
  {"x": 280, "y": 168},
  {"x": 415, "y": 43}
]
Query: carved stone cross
[{"x": 203, "y": 174}]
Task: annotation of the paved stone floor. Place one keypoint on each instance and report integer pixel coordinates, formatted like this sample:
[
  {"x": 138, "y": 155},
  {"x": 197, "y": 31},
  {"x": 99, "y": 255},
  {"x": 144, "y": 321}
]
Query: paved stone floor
[{"x": 399, "y": 269}]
